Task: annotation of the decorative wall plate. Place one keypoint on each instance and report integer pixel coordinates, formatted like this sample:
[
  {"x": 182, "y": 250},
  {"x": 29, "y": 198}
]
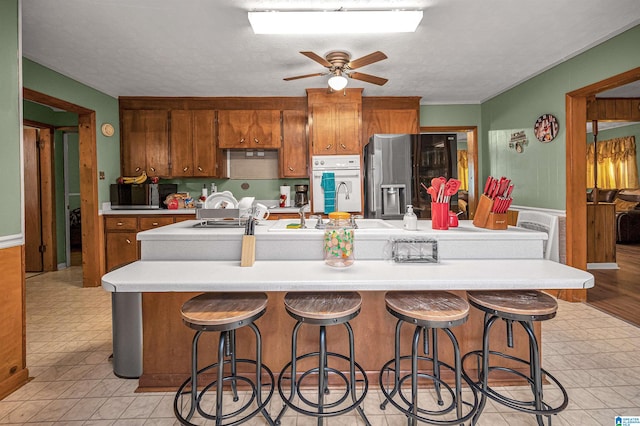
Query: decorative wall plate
[
  {"x": 546, "y": 128},
  {"x": 107, "y": 129}
]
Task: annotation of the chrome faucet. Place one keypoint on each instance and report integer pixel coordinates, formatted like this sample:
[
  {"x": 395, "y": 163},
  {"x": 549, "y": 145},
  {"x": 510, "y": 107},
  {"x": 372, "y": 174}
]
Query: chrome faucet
[
  {"x": 346, "y": 193},
  {"x": 303, "y": 221}
]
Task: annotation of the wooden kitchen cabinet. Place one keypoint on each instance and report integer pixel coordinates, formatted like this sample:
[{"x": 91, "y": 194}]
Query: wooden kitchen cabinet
[
  {"x": 193, "y": 147},
  {"x": 294, "y": 154},
  {"x": 334, "y": 121},
  {"x": 248, "y": 129},
  {"x": 121, "y": 245},
  {"x": 390, "y": 121},
  {"x": 145, "y": 142}
]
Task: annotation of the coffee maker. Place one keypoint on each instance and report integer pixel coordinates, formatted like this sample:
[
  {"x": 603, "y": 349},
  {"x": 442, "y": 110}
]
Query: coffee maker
[{"x": 302, "y": 195}]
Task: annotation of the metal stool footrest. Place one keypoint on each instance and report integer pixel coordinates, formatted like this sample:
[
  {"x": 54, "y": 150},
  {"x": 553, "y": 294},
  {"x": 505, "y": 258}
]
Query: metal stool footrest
[
  {"x": 295, "y": 388},
  {"x": 179, "y": 407},
  {"x": 395, "y": 395},
  {"x": 519, "y": 405}
]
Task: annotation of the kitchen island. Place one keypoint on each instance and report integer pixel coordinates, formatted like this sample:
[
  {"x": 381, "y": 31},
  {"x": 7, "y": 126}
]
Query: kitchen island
[{"x": 168, "y": 278}]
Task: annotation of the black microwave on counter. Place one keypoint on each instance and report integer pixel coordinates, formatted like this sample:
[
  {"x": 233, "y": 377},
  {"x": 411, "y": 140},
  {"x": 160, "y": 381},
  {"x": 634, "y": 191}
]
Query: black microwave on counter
[{"x": 143, "y": 196}]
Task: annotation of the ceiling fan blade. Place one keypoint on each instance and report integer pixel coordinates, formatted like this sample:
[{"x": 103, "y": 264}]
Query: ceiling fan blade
[
  {"x": 368, "y": 78},
  {"x": 366, "y": 60},
  {"x": 319, "y": 59},
  {"x": 317, "y": 74}
]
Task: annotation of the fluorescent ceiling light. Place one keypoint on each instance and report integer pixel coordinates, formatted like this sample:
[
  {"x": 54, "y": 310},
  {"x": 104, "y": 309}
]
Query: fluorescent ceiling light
[{"x": 335, "y": 22}]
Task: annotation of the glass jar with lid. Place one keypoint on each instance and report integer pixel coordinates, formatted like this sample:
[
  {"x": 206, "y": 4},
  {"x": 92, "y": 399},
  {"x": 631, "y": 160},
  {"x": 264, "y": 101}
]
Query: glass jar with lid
[{"x": 338, "y": 240}]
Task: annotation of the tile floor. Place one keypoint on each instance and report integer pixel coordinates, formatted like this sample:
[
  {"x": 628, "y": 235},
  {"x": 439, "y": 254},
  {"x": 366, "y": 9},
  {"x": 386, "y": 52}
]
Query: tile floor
[{"x": 593, "y": 354}]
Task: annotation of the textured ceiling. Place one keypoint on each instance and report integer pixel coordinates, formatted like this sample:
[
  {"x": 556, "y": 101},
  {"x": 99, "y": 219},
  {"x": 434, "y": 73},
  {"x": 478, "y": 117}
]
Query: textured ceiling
[{"x": 464, "y": 51}]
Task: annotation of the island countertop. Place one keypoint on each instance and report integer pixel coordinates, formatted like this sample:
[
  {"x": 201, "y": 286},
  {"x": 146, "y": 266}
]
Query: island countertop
[{"x": 472, "y": 274}]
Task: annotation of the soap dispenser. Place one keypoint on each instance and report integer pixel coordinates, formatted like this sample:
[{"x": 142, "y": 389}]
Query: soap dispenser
[{"x": 410, "y": 220}]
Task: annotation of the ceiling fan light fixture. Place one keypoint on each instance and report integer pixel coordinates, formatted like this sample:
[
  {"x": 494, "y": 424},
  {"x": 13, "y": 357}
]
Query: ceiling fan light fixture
[
  {"x": 338, "y": 82},
  {"x": 335, "y": 22}
]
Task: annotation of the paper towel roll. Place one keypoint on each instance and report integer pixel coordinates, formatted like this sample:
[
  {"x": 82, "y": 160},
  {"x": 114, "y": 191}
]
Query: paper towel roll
[{"x": 285, "y": 196}]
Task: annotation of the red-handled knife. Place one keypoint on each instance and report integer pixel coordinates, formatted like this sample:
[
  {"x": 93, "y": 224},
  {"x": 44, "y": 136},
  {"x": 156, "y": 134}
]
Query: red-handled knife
[{"x": 487, "y": 186}]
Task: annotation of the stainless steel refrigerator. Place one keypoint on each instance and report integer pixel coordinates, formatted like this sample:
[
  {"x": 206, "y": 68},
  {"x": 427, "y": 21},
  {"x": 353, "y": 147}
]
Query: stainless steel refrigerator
[{"x": 395, "y": 166}]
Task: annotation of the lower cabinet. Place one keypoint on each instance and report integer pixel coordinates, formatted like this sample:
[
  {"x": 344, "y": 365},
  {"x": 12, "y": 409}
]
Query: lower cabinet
[{"x": 121, "y": 246}]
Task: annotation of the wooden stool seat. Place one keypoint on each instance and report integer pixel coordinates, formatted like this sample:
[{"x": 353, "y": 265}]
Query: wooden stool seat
[
  {"x": 434, "y": 306},
  {"x": 323, "y": 306},
  {"x": 515, "y": 302},
  {"x": 213, "y": 309}
]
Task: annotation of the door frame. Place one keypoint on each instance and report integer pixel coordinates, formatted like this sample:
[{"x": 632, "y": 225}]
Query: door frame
[
  {"x": 472, "y": 157},
  {"x": 576, "y": 175},
  {"x": 47, "y": 194},
  {"x": 92, "y": 236}
]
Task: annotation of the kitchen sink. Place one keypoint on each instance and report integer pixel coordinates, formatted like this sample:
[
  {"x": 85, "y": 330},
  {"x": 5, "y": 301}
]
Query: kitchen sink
[{"x": 363, "y": 225}]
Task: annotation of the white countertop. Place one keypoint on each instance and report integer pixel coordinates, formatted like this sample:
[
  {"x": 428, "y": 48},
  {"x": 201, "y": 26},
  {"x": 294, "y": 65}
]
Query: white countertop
[{"x": 202, "y": 276}]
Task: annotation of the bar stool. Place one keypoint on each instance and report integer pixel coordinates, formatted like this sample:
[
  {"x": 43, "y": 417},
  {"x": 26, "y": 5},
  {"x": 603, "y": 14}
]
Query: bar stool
[
  {"x": 224, "y": 313},
  {"x": 322, "y": 309},
  {"x": 523, "y": 307},
  {"x": 429, "y": 311}
]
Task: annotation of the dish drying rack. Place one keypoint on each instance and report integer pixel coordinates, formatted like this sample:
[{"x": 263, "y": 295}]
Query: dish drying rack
[{"x": 219, "y": 218}]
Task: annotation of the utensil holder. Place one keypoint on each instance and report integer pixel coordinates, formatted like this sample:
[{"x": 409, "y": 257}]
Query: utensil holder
[{"x": 440, "y": 216}]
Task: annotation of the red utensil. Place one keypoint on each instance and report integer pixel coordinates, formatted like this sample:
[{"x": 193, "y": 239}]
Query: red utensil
[{"x": 487, "y": 186}]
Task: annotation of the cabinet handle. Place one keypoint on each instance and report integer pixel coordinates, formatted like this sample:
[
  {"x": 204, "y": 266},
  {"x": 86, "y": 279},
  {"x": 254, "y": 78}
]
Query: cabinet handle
[
  {"x": 242, "y": 140},
  {"x": 137, "y": 169},
  {"x": 128, "y": 241},
  {"x": 200, "y": 169},
  {"x": 329, "y": 146},
  {"x": 119, "y": 224},
  {"x": 256, "y": 140},
  {"x": 343, "y": 146},
  {"x": 291, "y": 169},
  {"x": 155, "y": 224},
  {"x": 153, "y": 169},
  {"x": 185, "y": 169}
]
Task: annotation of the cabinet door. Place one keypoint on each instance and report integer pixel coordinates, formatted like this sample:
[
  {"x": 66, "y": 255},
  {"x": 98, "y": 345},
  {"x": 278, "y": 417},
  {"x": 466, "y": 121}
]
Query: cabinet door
[
  {"x": 151, "y": 222},
  {"x": 265, "y": 129},
  {"x": 323, "y": 135},
  {"x": 204, "y": 143},
  {"x": 348, "y": 128},
  {"x": 121, "y": 248},
  {"x": 388, "y": 121},
  {"x": 133, "y": 150},
  {"x": 157, "y": 142},
  {"x": 181, "y": 143},
  {"x": 233, "y": 128},
  {"x": 294, "y": 155}
]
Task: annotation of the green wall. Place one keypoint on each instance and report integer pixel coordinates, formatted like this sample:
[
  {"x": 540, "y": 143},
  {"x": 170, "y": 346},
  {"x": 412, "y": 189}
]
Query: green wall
[
  {"x": 10, "y": 136},
  {"x": 539, "y": 172},
  {"x": 44, "y": 80}
]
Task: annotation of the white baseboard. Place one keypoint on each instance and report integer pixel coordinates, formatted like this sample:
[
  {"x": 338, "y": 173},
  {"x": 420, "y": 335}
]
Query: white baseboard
[
  {"x": 602, "y": 266},
  {"x": 62, "y": 266}
]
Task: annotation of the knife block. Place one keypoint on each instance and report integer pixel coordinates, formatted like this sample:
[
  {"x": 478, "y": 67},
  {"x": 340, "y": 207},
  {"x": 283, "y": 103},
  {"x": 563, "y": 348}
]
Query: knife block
[
  {"x": 248, "y": 254},
  {"x": 484, "y": 218}
]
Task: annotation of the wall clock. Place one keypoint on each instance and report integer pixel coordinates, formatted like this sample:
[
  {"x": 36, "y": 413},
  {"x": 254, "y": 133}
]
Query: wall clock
[
  {"x": 107, "y": 129},
  {"x": 546, "y": 128}
]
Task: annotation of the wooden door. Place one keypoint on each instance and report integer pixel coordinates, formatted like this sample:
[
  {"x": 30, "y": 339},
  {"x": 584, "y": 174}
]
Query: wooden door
[
  {"x": 265, "y": 129},
  {"x": 294, "y": 155},
  {"x": 181, "y": 143},
  {"x": 204, "y": 143},
  {"x": 157, "y": 142},
  {"x": 323, "y": 129},
  {"x": 348, "y": 128},
  {"x": 32, "y": 215},
  {"x": 233, "y": 128},
  {"x": 388, "y": 121}
]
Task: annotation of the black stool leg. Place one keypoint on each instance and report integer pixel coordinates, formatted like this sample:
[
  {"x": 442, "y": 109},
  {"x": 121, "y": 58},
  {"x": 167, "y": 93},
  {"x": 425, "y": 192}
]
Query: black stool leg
[
  {"x": 396, "y": 379},
  {"x": 536, "y": 373},
  {"x": 322, "y": 377},
  {"x": 436, "y": 363},
  {"x": 231, "y": 352},
  {"x": 264, "y": 411},
  {"x": 458, "y": 370},
  {"x": 194, "y": 375},
  {"x": 220, "y": 382},
  {"x": 352, "y": 372},
  {"x": 293, "y": 389},
  {"x": 414, "y": 375},
  {"x": 483, "y": 373}
]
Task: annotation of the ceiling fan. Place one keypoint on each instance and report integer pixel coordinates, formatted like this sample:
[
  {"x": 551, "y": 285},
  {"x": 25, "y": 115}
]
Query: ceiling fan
[{"x": 340, "y": 66}]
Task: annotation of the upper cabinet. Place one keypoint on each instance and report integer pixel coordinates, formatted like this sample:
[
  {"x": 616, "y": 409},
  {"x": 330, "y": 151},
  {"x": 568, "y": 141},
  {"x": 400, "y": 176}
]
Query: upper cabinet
[
  {"x": 294, "y": 154},
  {"x": 249, "y": 129},
  {"x": 193, "y": 147},
  {"x": 334, "y": 121},
  {"x": 390, "y": 115},
  {"x": 145, "y": 142}
]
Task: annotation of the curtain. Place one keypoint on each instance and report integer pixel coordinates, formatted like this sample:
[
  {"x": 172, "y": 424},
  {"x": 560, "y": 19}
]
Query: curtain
[
  {"x": 463, "y": 170},
  {"x": 617, "y": 165}
]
